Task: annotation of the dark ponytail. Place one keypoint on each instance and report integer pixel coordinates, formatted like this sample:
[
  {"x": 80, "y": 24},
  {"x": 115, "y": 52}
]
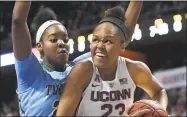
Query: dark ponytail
[
  {"x": 44, "y": 14},
  {"x": 117, "y": 12}
]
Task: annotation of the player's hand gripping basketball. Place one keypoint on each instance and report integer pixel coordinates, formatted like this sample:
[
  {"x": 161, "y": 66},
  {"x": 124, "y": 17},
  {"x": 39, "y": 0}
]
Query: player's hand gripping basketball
[{"x": 137, "y": 114}]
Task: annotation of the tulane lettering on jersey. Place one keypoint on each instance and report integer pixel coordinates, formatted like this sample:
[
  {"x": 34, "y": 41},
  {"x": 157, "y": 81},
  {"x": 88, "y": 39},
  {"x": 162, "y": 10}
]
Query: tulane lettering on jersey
[
  {"x": 54, "y": 89},
  {"x": 108, "y": 98}
]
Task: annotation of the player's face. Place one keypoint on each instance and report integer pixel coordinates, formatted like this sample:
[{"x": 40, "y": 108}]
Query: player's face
[
  {"x": 55, "y": 44},
  {"x": 105, "y": 46}
]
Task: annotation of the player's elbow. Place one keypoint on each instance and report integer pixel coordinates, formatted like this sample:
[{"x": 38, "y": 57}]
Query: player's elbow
[
  {"x": 161, "y": 92},
  {"x": 17, "y": 21}
]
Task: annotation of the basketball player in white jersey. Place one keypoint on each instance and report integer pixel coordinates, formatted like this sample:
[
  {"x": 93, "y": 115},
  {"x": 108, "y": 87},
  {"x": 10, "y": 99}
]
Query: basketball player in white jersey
[{"x": 104, "y": 84}]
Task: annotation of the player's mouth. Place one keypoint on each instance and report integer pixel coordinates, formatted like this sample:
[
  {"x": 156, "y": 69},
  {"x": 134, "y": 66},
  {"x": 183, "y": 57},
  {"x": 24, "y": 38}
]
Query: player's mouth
[
  {"x": 63, "y": 51},
  {"x": 100, "y": 55}
]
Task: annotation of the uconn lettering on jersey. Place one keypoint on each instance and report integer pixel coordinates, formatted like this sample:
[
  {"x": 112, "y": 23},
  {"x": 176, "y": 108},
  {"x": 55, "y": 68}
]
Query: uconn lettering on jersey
[
  {"x": 105, "y": 96},
  {"x": 54, "y": 89}
]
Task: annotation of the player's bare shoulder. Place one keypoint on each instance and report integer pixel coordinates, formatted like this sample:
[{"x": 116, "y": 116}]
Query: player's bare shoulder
[
  {"x": 84, "y": 66},
  {"x": 135, "y": 68},
  {"x": 137, "y": 65},
  {"x": 83, "y": 71}
]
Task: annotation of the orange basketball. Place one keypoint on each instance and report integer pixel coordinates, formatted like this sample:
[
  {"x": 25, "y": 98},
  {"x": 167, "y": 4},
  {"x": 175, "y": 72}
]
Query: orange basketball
[{"x": 156, "y": 110}]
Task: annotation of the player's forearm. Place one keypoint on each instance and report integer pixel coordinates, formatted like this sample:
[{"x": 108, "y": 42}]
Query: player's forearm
[
  {"x": 64, "y": 110},
  {"x": 131, "y": 16},
  {"x": 21, "y": 38},
  {"x": 21, "y": 10},
  {"x": 67, "y": 105},
  {"x": 162, "y": 98}
]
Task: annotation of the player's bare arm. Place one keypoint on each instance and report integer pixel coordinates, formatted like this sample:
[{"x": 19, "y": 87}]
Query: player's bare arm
[
  {"x": 20, "y": 33},
  {"x": 77, "y": 81},
  {"x": 143, "y": 78},
  {"x": 131, "y": 16}
]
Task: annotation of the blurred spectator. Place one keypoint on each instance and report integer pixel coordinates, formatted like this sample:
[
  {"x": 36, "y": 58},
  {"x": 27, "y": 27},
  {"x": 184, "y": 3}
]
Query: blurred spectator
[{"x": 11, "y": 108}]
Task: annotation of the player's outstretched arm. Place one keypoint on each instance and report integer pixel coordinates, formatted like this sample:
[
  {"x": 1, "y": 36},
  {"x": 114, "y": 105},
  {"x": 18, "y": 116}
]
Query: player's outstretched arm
[
  {"x": 77, "y": 81},
  {"x": 131, "y": 16},
  {"x": 21, "y": 38}
]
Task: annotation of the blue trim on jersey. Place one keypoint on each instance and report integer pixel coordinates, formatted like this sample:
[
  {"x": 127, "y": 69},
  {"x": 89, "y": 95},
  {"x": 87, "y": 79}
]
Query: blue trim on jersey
[{"x": 80, "y": 58}]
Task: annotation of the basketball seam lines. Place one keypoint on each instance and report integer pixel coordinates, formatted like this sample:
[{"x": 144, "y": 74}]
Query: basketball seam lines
[
  {"x": 146, "y": 105},
  {"x": 154, "y": 113},
  {"x": 139, "y": 108},
  {"x": 155, "y": 110}
]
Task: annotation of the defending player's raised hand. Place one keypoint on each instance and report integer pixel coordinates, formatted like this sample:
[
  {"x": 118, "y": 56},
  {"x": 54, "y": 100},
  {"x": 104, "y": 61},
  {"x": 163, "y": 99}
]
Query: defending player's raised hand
[
  {"x": 21, "y": 38},
  {"x": 131, "y": 17}
]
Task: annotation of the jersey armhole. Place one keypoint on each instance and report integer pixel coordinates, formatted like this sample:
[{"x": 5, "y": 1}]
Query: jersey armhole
[{"x": 125, "y": 64}]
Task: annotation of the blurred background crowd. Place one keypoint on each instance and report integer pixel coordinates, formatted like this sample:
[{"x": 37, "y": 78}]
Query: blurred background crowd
[{"x": 159, "y": 41}]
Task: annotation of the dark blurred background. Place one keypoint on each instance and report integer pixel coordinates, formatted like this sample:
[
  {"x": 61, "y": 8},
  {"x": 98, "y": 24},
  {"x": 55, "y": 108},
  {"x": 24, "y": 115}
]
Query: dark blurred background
[{"x": 159, "y": 52}]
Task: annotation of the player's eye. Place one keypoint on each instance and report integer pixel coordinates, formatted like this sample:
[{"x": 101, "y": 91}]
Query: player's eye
[
  {"x": 108, "y": 41},
  {"x": 95, "y": 40},
  {"x": 53, "y": 40}
]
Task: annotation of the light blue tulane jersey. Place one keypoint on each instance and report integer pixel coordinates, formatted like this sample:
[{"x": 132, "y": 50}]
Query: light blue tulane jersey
[{"x": 38, "y": 90}]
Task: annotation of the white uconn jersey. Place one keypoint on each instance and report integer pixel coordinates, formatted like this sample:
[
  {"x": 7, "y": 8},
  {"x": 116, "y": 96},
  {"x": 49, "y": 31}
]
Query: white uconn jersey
[{"x": 108, "y": 98}]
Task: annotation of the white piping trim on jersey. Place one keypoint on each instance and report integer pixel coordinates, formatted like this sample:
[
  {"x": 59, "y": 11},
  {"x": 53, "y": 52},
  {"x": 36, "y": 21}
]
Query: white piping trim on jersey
[
  {"x": 93, "y": 76},
  {"x": 127, "y": 71}
]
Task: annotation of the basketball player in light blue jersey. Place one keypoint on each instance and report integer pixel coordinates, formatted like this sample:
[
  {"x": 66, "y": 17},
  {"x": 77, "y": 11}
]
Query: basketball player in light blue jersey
[{"x": 40, "y": 83}]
